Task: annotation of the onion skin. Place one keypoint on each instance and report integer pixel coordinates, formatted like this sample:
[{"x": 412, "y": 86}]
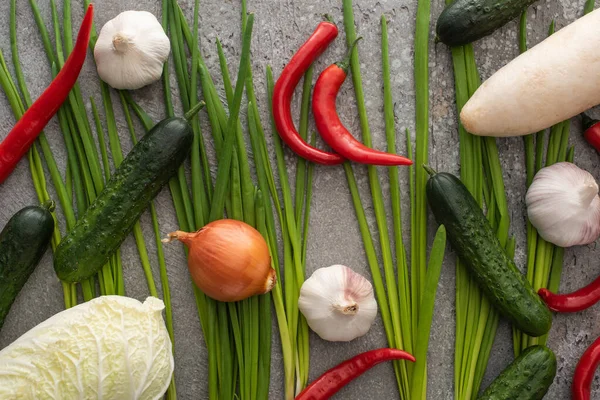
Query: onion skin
[{"x": 228, "y": 260}]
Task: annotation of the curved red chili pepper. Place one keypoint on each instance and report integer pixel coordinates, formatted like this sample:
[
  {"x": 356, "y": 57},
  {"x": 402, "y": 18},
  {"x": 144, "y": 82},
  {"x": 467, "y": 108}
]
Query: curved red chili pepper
[
  {"x": 283, "y": 92},
  {"x": 331, "y": 128},
  {"x": 591, "y": 132},
  {"x": 572, "y": 302},
  {"x": 336, "y": 378},
  {"x": 27, "y": 129},
  {"x": 585, "y": 371}
]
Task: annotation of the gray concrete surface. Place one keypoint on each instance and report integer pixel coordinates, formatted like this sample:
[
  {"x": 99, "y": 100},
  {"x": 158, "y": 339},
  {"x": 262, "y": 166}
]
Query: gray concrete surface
[{"x": 281, "y": 26}]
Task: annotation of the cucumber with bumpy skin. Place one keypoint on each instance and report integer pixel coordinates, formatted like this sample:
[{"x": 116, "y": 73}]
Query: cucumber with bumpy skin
[
  {"x": 23, "y": 242},
  {"x": 110, "y": 218},
  {"x": 465, "y": 21},
  {"x": 477, "y": 245},
  {"x": 528, "y": 377}
]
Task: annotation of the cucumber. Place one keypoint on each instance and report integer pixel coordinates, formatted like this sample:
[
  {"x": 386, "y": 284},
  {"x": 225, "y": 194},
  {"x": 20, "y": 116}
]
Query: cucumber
[
  {"x": 528, "y": 377},
  {"x": 23, "y": 242},
  {"x": 110, "y": 218},
  {"x": 465, "y": 21},
  {"x": 476, "y": 244}
]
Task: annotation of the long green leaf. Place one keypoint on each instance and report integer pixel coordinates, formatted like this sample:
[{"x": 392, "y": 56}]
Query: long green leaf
[{"x": 434, "y": 270}]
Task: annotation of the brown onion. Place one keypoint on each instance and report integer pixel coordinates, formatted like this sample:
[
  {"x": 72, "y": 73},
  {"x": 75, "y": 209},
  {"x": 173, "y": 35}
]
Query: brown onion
[{"x": 229, "y": 260}]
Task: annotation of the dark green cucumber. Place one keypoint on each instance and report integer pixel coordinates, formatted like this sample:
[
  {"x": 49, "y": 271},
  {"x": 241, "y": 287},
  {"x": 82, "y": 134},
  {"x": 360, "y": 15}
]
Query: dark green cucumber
[
  {"x": 110, "y": 218},
  {"x": 528, "y": 377},
  {"x": 23, "y": 242},
  {"x": 465, "y": 21},
  {"x": 476, "y": 244}
]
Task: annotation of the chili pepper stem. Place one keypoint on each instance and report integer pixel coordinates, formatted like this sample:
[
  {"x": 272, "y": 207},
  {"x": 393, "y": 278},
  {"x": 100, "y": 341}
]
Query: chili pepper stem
[
  {"x": 345, "y": 63},
  {"x": 328, "y": 18},
  {"x": 587, "y": 122}
]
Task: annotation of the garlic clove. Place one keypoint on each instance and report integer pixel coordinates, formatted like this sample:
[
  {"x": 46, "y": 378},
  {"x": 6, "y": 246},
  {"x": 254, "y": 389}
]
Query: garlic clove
[
  {"x": 131, "y": 50},
  {"x": 338, "y": 303},
  {"x": 563, "y": 205}
]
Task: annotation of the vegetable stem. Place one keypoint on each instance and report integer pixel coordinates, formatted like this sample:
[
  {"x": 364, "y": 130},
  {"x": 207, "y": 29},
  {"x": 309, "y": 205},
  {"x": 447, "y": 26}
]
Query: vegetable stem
[
  {"x": 421, "y": 69},
  {"x": 434, "y": 270},
  {"x": 227, "y": 150},
  {"x": 476, "y": 321}
]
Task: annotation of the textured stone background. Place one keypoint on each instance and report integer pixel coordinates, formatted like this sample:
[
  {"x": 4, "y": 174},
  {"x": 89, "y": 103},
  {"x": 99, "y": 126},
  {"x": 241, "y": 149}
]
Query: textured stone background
[{"x": 281, "y": 26}]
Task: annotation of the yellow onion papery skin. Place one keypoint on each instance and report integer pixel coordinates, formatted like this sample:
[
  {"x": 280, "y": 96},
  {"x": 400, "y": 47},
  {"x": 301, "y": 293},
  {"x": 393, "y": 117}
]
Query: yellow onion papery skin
[{"x": 228, "y": 260}]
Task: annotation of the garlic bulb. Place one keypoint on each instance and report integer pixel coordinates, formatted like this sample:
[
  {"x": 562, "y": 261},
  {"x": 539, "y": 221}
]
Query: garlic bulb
[
  {"x": 338, "y": 303},
  {"x": 131, "y": 50},
  {"x": 563, "y": 205}
]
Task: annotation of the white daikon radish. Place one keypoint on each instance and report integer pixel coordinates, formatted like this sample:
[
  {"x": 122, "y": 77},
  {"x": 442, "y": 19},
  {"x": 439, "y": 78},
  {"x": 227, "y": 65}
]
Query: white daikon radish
[{"x": 553, "y": 81}]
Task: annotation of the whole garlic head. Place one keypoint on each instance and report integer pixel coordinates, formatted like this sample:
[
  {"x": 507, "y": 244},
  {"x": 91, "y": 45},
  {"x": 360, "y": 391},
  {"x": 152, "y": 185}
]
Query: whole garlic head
[
  {"x": 131, "y": 50},
  {"x": 563, "y": 205},
  {"x": 338, "y": 303}
]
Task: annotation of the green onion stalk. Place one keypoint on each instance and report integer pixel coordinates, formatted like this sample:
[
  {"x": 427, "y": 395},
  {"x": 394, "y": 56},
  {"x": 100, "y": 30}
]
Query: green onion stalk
[
  {"x": 286, "y": 306},
  {"x": 70, "y": 114},
  {"x": 77, "y": 122},
  {"x": 194, "y": 211},
  {"x": 239, "y": 361},
  {"x": 405, "y": 310},
  {"x": 481, "y": 172},
  {"x": 88, "y": 286},
  {"x": 294, "y": 221},
  {"x": 388, "y": 300},
  {"x": 421, "y": 303},
  {"x": 85, "y": 175},
  {"x": 293, "y": 328},
  {"x": 544, "y": 260},
  {"x": 35, "y": 162}
]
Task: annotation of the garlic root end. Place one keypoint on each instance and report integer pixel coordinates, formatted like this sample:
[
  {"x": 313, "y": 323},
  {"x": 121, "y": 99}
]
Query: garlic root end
[
  {"x": 120, "y": 43},
  {"x": 348, "y": 308}
]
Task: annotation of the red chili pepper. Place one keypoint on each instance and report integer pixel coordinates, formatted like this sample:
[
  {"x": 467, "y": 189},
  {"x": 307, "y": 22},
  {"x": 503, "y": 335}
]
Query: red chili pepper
[
  {"x": 591, "y": 132},
  {"x": 336, "y": 378},
  {"x": 27, "y": 129},
  {"x": 572, "y": 302},
  {"x": 331, "y": 128},
  {"x": 283, "y": 92},
  {"x": 585, "y": 371}
]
